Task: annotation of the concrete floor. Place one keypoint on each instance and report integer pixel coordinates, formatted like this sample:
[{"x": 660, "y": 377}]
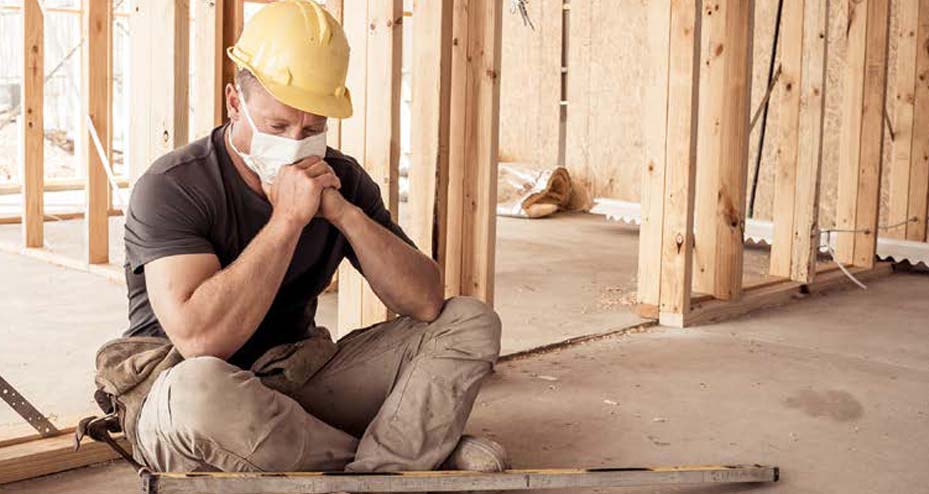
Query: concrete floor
[{"x": 834, "y": 390}]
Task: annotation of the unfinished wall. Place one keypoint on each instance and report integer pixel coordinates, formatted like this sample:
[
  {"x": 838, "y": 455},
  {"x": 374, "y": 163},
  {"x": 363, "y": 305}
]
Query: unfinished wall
[{"x": 605, "y": 97}]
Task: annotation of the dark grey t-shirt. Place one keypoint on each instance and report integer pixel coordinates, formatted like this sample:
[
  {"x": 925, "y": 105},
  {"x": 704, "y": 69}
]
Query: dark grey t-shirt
[{"x": 192, "y": 200}]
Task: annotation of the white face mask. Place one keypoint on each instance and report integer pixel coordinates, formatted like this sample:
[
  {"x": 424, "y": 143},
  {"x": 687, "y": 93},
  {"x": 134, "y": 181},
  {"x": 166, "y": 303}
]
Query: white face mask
[{"x": 269, "y": 153}]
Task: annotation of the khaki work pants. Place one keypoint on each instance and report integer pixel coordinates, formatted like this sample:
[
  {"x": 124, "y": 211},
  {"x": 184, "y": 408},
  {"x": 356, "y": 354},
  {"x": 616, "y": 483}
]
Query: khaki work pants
[{"x": 395, "y": 396}]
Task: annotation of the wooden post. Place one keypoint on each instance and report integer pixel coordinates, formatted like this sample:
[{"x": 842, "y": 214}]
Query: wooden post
[
  {"x": 909, "y": 174},
  {"x": 233, "y": 22},
  {"x": 683, "y": 93},
  {"x": 160, "y": 64},
  {"x": 97, "y": 103},
  {"x": 723, "y": 146},
  {"x": 372, "y": 135},
  {"x": 862, "y": 137},
  {"x": 473, "y": 141},
  {"x": 431, "y": 88},
  {"x": 208, "y": 96},
  {"x": 799, "y": 153},
  {"x": 334, "y": 132},
  {"x": 33, "y": 176}
]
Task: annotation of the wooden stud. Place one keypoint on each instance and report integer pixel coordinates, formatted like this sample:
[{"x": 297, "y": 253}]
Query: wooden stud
[
  {"x": 334, "y": 132},
  {"x": 683, "y": 104},
  {"x": 473, "y": 144},
  {"x": 160, "y": 64},
  {"x": 805, "y": 242},
  {"x": 725, "y": 90},
  {"x": 862, "y": 137},
  {"x": 653, "y": 175},
  {"x": 909, "y": 174},
  {"x": 33, "y": 124},
  {"x": 799, "y": 153},
  {"x": 97, "y": 102},
  {"x": 233, "y": 22},
  {"x": 374, "y": 31},
  {"x": 431, "y": 90},
  {"x": 208, "y": 95}
]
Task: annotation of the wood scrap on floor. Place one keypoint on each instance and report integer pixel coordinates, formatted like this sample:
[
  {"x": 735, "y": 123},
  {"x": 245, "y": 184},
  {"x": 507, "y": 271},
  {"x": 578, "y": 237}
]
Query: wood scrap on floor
[{"x": 525, "y": 191}]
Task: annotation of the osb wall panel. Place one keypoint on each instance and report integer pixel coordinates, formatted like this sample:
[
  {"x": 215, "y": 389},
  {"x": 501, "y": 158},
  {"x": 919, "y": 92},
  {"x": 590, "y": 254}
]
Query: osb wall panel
[
  {"x": 606, "y": 107},
  {"x": 530, "y": 84}
]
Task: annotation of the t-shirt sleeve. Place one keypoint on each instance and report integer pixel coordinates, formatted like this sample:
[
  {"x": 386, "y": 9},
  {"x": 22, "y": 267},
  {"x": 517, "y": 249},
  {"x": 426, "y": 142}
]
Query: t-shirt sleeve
[
  {"x": 164, "y": 219},
  {"x": 367, "y": 196}
]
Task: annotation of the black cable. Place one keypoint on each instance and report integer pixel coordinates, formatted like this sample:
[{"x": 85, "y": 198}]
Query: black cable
[{"x": 764, "y": 115}]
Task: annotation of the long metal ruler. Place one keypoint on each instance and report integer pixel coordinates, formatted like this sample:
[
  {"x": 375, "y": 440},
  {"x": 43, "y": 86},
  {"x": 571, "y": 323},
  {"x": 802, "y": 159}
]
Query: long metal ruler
[
  {"x": 449, "y": 481},
  {"x": 25, "y": 409}
]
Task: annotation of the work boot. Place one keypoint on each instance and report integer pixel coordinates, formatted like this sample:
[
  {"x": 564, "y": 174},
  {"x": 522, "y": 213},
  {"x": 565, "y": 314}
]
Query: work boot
[{"x": 478, "y": 454}]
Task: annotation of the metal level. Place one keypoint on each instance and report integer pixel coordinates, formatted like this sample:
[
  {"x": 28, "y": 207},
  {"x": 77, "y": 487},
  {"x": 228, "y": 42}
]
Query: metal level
[{"x": 449, "y": 481}]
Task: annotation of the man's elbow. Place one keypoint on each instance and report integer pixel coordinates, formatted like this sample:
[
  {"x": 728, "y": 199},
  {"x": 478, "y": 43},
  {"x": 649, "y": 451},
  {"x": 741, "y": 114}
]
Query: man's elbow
[
  {"x": 431, "y": 307},
  {"x": 192, "y": 342}
]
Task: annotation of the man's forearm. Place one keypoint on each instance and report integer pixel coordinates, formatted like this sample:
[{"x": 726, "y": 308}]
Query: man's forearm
[
  {"x": 407, "y": 281},
  {"x": 227, "y": 308}
]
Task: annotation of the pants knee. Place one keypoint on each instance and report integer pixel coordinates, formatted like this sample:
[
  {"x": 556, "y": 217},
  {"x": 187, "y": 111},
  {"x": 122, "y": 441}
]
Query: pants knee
[
  {"x": 471, "y": 326},
  {"x": 198, "y": 387}
]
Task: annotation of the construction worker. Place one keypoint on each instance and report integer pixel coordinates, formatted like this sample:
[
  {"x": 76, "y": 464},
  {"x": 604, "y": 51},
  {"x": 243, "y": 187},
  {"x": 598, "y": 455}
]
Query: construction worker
[{"x": 229, "y": 241}]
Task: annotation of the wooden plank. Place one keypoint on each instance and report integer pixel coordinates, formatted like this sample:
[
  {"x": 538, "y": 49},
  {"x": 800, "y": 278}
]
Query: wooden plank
[
  {"x": 431, "y": 92},
  {"x": 653, "y": 176},
  {"x": 382, "y": 121},
  {"x": 33, "y": 124},
  {"x": 208, "y": 95},
  {"x": 97, "y": 102},
  {"x": 773, "y": 295},
  {"x": 919, "y": 171},
  {"x": 56, "y": 454},
  {"x": 233, "y": 22},
  {"x": 805, "y": 240},
  {"x": 788, "y": 128},
  {"x": 351, "y": 288},
  {"x": 683, "y": 100},
  {"x": 723, "y": 147},
  {"x": 862, "y": 132},
  {"x": 140, "y": 88},
  {"x": 334, "y": 132},
  {"x": 452, "y": 480},
  {"x": 474, "y": 142}
]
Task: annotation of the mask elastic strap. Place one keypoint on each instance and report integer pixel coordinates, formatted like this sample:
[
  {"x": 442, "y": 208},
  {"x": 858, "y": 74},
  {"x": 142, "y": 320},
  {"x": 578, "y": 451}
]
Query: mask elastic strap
[{"x": 245, "y": 108}]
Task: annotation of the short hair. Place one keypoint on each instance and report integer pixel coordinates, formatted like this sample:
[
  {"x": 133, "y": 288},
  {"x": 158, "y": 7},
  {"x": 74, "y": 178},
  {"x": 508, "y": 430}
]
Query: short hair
[{"x": 246, "y": 81}]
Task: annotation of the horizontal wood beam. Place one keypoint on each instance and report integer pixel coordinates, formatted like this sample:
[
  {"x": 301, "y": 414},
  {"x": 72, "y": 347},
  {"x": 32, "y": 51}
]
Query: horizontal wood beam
[
  {"x": 31, "y": 459},
  {"x": 76, "y": 215},
  {"x": 55, "y": 185}
]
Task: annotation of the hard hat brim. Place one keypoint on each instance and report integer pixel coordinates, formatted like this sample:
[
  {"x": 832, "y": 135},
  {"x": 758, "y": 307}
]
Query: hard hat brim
[{"x": 326, "y": 105}]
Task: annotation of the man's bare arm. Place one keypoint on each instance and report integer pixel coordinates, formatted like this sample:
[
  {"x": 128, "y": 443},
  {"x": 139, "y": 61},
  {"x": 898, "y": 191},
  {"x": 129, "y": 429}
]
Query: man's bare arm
[
  {"x": 206, "y": 310},
  {"x": 406, "y": 280}
]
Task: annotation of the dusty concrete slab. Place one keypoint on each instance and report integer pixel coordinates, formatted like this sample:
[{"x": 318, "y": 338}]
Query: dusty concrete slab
[{"x": 832, "y": 389}]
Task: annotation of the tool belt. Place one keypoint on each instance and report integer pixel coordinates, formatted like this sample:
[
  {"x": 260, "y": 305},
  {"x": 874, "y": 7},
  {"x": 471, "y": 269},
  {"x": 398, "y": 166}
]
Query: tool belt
[{"x": 127, "y": 368}]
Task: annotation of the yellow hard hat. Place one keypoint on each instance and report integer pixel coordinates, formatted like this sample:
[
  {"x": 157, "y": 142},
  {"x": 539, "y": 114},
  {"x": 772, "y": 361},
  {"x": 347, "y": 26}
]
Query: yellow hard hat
[{"x": 299, "y": 53}]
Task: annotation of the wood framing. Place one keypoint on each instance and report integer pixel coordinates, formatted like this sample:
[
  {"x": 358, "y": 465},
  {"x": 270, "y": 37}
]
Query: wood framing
[
  {"x": 862, "y": 135},
  {"x": 98, "y": 105},
  {"x": 722, "y": 146},
  {"x": 473, "y": 142},
  {"x": 15, "y": 220},
  {"x": 233, "y": 22},
  {"x": 55, "y": 185},
  {"x": 909, "y": 173},
  {"x": 334, "y": 132},
  {"x": 683, "y": 93},
  {"x": 33, "y": 124},
  {"x": 372, "y": 135},
  {"x": 779, "y": 292},
  {"x": 207, "y": 92},
  {"x": 159, "y": 87},
  {"x": 55, "y": 454},
  {"x": 799, "y": 154},
  {"x": 431, "y": 87}
]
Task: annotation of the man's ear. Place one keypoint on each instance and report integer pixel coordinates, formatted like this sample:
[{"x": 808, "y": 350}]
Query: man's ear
[{"x": 232, "y": 102}]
